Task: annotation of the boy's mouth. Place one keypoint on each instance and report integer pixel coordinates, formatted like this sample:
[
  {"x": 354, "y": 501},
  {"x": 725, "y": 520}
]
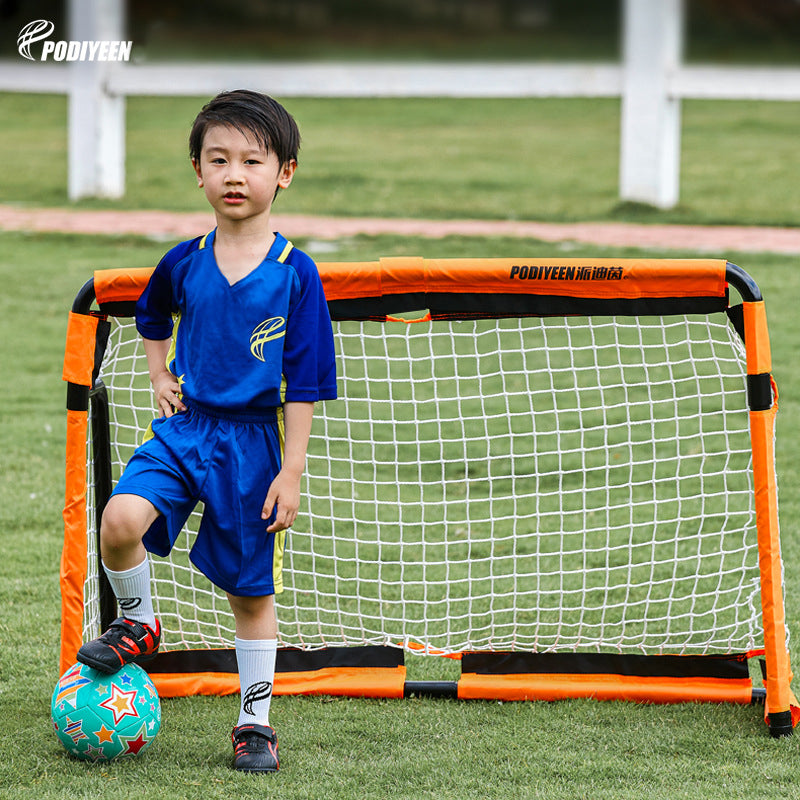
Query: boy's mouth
[{"x": 233, "y": 197}]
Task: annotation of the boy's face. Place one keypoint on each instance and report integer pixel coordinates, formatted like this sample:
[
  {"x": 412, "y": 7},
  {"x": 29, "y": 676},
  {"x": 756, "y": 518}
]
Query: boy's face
[{"x": 239, "y": 176}]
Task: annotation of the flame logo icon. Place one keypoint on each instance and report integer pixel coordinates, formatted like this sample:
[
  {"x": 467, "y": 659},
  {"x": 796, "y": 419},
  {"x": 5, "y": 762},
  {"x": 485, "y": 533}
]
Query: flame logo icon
[
  {"x": 264, "y": 332},
  {"x": 33, "y": 32}
]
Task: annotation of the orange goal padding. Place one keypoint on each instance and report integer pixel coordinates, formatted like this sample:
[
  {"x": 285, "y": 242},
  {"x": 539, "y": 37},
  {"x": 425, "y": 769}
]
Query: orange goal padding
[
  {"x": 335, "y": 681},
  {"x": 79, "y": 349},
  {"x": 603, "y": 687},
  {"x": 74, "y": 553},
  {"x": 597, "y": 278},
  {"x": 582, "y": 277},
  {"x": 120, "y": 285}
]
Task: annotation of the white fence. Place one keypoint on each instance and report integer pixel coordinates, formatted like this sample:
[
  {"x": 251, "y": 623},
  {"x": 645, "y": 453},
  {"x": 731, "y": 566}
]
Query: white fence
[{"x": 651, "y": 82}]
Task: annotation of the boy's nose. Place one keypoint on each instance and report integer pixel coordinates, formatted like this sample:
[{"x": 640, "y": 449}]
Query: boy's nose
[{"x": 233, "y": 175}]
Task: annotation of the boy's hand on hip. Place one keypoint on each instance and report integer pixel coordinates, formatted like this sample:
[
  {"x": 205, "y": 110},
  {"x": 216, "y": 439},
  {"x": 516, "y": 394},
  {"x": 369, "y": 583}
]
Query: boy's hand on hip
[
  {"x": 167, "y": 392},
  {"x": 284, "y": 497}
]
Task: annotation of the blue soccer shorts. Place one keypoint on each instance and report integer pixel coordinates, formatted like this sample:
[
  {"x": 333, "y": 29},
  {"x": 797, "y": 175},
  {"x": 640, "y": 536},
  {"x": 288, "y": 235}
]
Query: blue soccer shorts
[{"x": 228, "y": 463}]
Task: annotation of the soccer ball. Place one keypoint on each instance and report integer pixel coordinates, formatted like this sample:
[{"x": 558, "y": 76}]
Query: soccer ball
[{"x": 98, "y": 717}]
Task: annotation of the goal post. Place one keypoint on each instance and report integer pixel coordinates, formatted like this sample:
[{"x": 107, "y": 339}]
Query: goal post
[{"x": 559, "y": 472}]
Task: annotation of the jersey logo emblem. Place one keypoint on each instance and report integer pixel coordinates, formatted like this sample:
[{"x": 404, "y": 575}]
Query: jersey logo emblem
[{"x": 264, "y": 332}]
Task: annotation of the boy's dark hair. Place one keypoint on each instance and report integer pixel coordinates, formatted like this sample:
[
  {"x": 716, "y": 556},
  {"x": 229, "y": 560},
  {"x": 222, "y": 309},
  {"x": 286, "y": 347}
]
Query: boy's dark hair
[{"x": 251, "y": 113}]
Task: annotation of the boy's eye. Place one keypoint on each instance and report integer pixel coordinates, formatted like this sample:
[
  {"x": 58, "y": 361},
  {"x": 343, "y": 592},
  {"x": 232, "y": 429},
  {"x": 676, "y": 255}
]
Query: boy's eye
[
  {"x": 218, "y": 160},
  {"x": 252, "y": 161}
]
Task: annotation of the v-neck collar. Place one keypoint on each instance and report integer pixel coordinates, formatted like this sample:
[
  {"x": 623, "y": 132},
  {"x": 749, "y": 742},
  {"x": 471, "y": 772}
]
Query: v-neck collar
[{"x": 277, "y": 251}]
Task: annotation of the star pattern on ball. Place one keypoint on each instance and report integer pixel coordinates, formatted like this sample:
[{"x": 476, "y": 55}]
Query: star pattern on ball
[
  {"x": 120, "y": 704},
  {"x": 133, "y": 744},
  {"x": 94, "y": 753},
  {"x": 74, "y": 729},
  {"x": 104, "y": 735}
]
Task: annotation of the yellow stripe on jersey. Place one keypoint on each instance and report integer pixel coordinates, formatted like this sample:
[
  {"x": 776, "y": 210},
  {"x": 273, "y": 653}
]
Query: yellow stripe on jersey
[
  {"x": 281, "y": 431},
  {"x": 148, "y": 432},
  {"x": 280, "y": 536},
  {"x": 176, "y": 321},
  {"x": 285, "y": 254},
  {"x": 277, "y": 561}
]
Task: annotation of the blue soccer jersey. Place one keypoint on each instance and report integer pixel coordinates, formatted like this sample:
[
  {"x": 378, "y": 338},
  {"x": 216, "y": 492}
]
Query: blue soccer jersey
[
  {"x": 239, "y": 351},
  {"x": 247, "y": 346}
]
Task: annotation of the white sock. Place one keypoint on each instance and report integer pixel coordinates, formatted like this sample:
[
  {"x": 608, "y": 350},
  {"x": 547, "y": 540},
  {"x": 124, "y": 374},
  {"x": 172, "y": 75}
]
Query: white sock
[
  {"x": 132, "y": 590},
  {"x": 256, "y": 660}
]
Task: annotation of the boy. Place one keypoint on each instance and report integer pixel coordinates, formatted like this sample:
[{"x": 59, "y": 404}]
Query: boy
[{"x": 235, "y": 378}]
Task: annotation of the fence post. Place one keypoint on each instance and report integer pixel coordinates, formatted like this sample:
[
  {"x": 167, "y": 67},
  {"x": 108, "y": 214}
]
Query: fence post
[
  {"x": 651, "y": 118},
  {"x": 96, "y": 119}
]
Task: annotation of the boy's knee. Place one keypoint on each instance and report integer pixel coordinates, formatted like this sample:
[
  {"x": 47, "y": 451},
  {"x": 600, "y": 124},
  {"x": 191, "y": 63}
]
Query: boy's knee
[
  {"x": 251, "y": 606},
  {"x": 125, "y": 521}
]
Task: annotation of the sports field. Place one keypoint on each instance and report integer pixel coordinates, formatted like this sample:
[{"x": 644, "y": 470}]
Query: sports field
[{"x": 420, "y": 159}]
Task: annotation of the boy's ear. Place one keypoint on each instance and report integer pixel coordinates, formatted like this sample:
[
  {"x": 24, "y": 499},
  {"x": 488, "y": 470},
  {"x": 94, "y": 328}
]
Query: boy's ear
[
  {"x": 286, "y": 173},
  {"x": 196, "y": 165}
]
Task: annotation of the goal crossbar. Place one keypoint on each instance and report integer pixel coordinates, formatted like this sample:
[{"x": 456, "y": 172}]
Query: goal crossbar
[{"x": 530, "y": 662}]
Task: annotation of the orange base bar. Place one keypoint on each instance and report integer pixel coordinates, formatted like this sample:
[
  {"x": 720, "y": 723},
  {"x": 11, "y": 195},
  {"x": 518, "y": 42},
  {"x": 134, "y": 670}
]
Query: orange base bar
[
  {"x": 338, "y": 681},
  {"x": 604, "y": 687},
  {"x": 348, "y": 672},
  {"x": 344, "y": 682},
  {"x": 606, "y": 676},
  {"x": 175, "y": 684}
]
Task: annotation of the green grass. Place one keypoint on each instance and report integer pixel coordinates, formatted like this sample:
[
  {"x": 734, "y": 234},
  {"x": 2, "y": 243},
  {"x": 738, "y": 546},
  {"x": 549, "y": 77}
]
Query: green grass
[
  {"x": 551, "y": 159},
  {"x": 340, "y": 748}
]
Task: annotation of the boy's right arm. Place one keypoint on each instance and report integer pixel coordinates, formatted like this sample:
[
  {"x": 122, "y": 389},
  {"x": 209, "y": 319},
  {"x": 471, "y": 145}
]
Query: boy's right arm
[{"x": 165, "y": 385}]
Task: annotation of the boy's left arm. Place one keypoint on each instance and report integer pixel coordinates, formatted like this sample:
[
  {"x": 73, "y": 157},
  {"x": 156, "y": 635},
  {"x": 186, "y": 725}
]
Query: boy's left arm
[{"x": 284, "y": 492}]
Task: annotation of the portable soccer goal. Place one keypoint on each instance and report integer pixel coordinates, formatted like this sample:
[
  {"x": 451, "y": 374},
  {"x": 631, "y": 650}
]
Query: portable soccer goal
[{"x": 559, "y": 472}]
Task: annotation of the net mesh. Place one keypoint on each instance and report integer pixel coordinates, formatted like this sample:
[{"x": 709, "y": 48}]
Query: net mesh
[{"x": 554, "y": 484}]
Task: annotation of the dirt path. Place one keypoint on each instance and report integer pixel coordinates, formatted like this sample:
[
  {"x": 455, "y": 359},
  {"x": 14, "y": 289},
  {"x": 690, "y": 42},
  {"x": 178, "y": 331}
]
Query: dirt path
[{"x": 718, "y": 240}]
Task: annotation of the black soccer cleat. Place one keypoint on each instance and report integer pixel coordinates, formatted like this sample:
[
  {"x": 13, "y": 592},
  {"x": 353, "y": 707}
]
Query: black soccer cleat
[
  {"x": 255, "y": 748},
  {"x": 125, "y": 641}
]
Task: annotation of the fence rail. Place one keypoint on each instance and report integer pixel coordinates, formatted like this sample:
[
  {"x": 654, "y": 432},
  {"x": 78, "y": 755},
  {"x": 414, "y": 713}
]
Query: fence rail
[{"x": 342, "y": 79}]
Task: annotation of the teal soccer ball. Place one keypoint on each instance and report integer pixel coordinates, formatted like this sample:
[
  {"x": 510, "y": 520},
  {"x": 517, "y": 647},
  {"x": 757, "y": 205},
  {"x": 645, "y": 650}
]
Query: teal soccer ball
[{"x": 98, "y": 717}]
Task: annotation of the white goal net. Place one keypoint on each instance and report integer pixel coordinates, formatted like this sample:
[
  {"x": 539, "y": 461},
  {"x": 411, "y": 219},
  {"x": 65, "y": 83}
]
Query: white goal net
[{"x": 543, "y": 484}]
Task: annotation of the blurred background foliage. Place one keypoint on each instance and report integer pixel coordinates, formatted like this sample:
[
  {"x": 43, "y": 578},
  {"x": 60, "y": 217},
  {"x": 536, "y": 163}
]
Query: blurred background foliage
[{"x": 746, "y": 31}]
